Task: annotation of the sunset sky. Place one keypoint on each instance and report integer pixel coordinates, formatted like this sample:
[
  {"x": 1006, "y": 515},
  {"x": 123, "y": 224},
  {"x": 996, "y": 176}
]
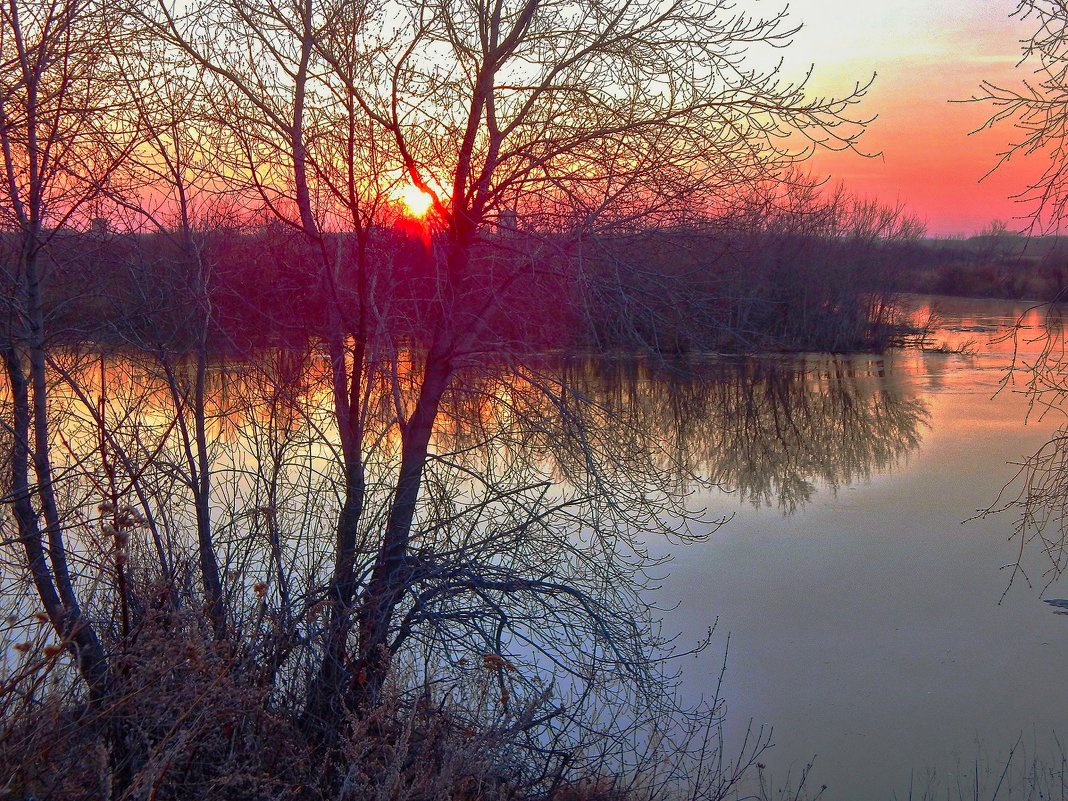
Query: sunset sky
[{"x": 924, "y": 53}]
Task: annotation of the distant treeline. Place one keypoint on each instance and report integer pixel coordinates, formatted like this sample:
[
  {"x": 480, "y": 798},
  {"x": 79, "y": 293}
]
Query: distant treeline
[
  {"x": 994, "y": 264},
  {"x": 716, "y": 288},
  {"x": 664, "y": 291}
]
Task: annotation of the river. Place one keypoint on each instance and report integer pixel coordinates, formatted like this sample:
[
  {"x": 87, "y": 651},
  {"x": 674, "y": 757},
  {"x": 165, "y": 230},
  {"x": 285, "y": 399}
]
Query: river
[{"x": 875, "y": 625}]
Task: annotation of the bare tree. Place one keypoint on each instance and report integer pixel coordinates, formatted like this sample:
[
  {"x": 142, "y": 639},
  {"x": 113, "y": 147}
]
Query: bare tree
[
  {"x": 174, "y": 204},
  {"x": 1037, "y": 110},
  {"x": 482, "y": 508},
  {"x": 61, "y": 142},
  {"x": 555, "y": 117}
]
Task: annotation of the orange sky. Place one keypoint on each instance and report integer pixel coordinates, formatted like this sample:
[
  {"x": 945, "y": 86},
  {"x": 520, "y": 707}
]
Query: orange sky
[{"x": 924, "y": 53}]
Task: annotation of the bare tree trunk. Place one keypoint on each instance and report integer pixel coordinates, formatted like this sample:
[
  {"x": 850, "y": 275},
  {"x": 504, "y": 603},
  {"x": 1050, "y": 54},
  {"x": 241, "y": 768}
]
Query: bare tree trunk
[
  {"x": 390, "y": 576},
  {"x": 209, "y": 563},
  {"x": 326, "y": 697},
  {"x": 49, "y": 565},
  {"x": 198, "y": 479},
  {"x": 326, "y": 702},
  {"x": 91, "y": 658},
  {"x": 57, "y": 596}
]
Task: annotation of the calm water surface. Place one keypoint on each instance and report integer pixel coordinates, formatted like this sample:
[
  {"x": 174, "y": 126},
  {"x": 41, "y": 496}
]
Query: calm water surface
[
  {"x": 872, "y": 623},
  {"x": 869, "y": 624}
]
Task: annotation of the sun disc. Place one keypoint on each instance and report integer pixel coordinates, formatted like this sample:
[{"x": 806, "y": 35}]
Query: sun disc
[{"x": 416, "y": 201}]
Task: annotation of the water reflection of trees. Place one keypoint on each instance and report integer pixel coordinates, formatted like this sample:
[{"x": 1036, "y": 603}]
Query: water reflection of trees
[
  {"x": 771, "y": 430},
  {"x": 527, "y": 541},
  {"x": 545, "y": 483}
]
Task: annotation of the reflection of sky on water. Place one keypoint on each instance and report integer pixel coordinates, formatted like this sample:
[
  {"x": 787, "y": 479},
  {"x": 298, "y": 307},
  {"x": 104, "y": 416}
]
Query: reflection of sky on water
[
  {"x": 864, "y": 616},
  {"x": 986, "y": 327},
  {"x": 866, "y": 627}
]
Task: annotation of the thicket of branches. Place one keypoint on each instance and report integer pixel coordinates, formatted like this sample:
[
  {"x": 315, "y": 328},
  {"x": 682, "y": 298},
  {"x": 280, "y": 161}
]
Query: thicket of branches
[
  {"x": 1037, "y": 110},
  {"x": 400, "y": 556}
]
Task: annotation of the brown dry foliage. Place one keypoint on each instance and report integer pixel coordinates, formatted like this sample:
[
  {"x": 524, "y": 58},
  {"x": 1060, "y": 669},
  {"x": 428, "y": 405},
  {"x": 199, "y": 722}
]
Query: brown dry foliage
[{"x": 198, "y": 722}]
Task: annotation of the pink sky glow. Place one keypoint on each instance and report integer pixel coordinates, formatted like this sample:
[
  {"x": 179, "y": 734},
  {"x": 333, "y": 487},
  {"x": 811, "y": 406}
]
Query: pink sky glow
[{"x": 924, "y": 54}]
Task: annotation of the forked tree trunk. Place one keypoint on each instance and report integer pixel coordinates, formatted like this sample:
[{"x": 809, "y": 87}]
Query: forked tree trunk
[
  {"x": 390, "y": 577},
  {"x": 326, "y": 708}
]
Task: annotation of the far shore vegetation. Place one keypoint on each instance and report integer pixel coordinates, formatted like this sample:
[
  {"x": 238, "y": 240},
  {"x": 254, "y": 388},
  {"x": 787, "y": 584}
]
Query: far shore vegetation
[{"x": 823, "y": 278}]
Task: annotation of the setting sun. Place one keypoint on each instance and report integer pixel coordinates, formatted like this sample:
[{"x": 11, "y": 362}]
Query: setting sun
[{"x": 415, "y": 200}]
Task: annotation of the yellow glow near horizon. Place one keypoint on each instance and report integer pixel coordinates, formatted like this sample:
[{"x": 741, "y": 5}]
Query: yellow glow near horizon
[{"x": 415, "y": 200}]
